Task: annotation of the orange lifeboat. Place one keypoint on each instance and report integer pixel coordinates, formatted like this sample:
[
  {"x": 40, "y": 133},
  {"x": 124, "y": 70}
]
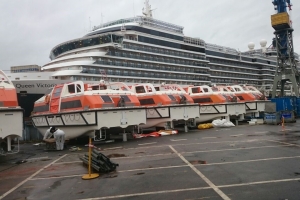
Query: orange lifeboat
[
  {"x": 11, "y": 116},
  {"x": 164, "y": 107},
  {"x": 214, "y": 103},
  {"x": 205, "y": 95},
  {"x": 82, "y": 108}
]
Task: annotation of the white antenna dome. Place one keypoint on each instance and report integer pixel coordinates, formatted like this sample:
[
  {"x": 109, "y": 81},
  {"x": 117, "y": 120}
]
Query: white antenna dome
[
  {"x": 263, "y": 43},
  {"x": 102, "y": 82},
  {"x": 251, "y": 45}
]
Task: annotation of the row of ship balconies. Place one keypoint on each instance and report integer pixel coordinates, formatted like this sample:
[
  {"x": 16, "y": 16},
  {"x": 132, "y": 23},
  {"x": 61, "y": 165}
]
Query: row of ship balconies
[
  {"x": 151, "y": 66},
  {"x": 163, "y": 51},
  {"x": 154, "y": 58}
]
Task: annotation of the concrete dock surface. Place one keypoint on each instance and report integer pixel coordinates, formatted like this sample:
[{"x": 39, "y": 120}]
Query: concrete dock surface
[{"x": 239, "y": 163}]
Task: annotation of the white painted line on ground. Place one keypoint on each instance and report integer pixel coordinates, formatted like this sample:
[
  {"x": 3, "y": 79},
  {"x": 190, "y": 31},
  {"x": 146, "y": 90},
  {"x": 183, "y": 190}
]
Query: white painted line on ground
[
  {"x": 245, "y": 161},
  {"x": 168, "y": 167},
  {"x": 154, "y": 168},
  {"x": 259, "y": 182},
  {"x": 113, "y": 148},
  {"x": 30, "y": 177},
  {"x": 236, "y": 149},
  {"x": 130, "y": 170},
  {"x": 54, "y": 177},
  {"x": 148, "y": 143},
  {"x": 236, "y": 135},
  {"x": 178, "y": 140},
  {"x": 117, "y": 158},
  {"x": 209, "y": 137},
  {"x": 147, "y": 193},
  {"x": 160, "y": 154},
  {"x": 62, "y": 163},
  {"x": 215, "y": 188},
  {"x": 286, "y": 143},
  {"x": 198, "y": 143}
]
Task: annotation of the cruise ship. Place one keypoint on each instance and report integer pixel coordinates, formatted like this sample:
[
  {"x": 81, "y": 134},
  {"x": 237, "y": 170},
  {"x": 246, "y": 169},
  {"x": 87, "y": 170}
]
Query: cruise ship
[{"x": 142, "y": 49}]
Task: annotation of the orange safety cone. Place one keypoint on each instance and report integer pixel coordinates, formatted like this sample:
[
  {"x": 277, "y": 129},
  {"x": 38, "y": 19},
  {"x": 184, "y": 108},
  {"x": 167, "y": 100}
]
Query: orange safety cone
[
  {"x": 90, "y": 175},
  {"x": 282, "y": 124}
]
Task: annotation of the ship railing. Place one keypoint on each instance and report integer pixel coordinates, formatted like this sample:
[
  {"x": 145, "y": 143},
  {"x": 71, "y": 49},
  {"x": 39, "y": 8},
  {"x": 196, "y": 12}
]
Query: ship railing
[
  {"x": 221, "y": 48},
  {"x": 146, "y": 21}
]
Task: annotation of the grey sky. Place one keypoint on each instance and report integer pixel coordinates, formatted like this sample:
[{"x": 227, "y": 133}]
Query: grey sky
[{"x": 31, "y": 28}]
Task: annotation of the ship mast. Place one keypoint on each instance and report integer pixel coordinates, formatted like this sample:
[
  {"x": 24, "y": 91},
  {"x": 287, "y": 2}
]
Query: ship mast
[{"x": 147, "y": 11}]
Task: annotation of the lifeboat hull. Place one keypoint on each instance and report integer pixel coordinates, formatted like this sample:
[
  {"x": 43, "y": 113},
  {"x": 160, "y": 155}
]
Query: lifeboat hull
[
  {"x": 159, "y": 116},
  {"x": 82, "y": 123}
]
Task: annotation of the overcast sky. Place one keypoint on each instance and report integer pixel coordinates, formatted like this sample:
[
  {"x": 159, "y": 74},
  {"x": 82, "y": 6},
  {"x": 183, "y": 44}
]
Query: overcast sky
[{"x": 29, "y": 29}]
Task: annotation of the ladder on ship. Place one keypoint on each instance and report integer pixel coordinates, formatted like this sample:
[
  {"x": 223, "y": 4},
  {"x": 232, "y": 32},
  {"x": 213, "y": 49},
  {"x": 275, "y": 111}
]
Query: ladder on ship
[{"x": 104, "y": 76}]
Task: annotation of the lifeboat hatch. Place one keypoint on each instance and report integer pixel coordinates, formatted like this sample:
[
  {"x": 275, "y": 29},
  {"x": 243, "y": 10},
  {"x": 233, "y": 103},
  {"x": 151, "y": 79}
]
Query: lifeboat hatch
[{"x": 55, "y": 99}]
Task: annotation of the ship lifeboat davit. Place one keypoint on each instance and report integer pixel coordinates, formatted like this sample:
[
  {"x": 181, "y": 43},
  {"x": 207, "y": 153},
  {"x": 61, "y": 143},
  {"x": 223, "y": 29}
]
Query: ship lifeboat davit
[
  {"x": 9, "y": 112},
  {"x": 254, "y": 100},
  {"x": 83, "y": 109}
]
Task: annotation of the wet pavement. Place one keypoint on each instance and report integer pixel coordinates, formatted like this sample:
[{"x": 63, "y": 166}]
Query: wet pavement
[{"x": 240, "y": 163}]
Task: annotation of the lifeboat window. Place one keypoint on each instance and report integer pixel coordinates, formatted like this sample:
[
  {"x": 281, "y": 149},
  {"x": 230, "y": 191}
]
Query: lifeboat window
[
  {"x": 172, "y": 97},
  {"x": 78, "y": 88},
  {"x": 106, "y": 98},
  {"x": 237, "y": 89},
  {"x": 140, "y": 89},
  {"x": 215, "y": 89},
  {"x": 203, "y": 100},
  {"x": 195, "y": 90},
  {"x": 205, "y": 89},
  {"x": 126, "y": 98},
  {"x": 71, "y": 88},
  {"x": 41, "y": 108},
  {"x": 95, "y": 87},
  {"x": 57, "y": 92}
]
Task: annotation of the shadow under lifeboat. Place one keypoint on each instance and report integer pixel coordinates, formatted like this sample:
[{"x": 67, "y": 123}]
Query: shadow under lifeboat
[
  {"x": 164, "y": 108},
  {"x": 86, "y": 109},
  {"x": 254, "y": 100},
  {"x": 11, "y": 116},
  {"x": 214, "y": 104}
]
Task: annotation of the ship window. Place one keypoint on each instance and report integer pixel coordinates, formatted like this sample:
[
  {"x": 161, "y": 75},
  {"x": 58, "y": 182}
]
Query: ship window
[
  {"x": 126, "y": 98},
  {"x": 57, "y": 92},
  {"x": 78, "y": 88},
  {"x": 106, "y": 98},
  {"x": 195, "y": 90},
  {"x": 140, "y": 89},
  {"x": 203, "y": 100},
  {"x": 172, "y": 97},
  {"x": 205, "y": 89},
  {"x": 71, "y": 88}
]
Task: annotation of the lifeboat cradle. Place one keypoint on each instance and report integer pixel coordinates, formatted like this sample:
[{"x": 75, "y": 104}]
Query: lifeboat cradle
[
  {"x": 163, "y": 108},
  {"x": 254, "y": 100},
  {"x": 87, "y": 110},
  {"x": 11, "y": 117}
]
